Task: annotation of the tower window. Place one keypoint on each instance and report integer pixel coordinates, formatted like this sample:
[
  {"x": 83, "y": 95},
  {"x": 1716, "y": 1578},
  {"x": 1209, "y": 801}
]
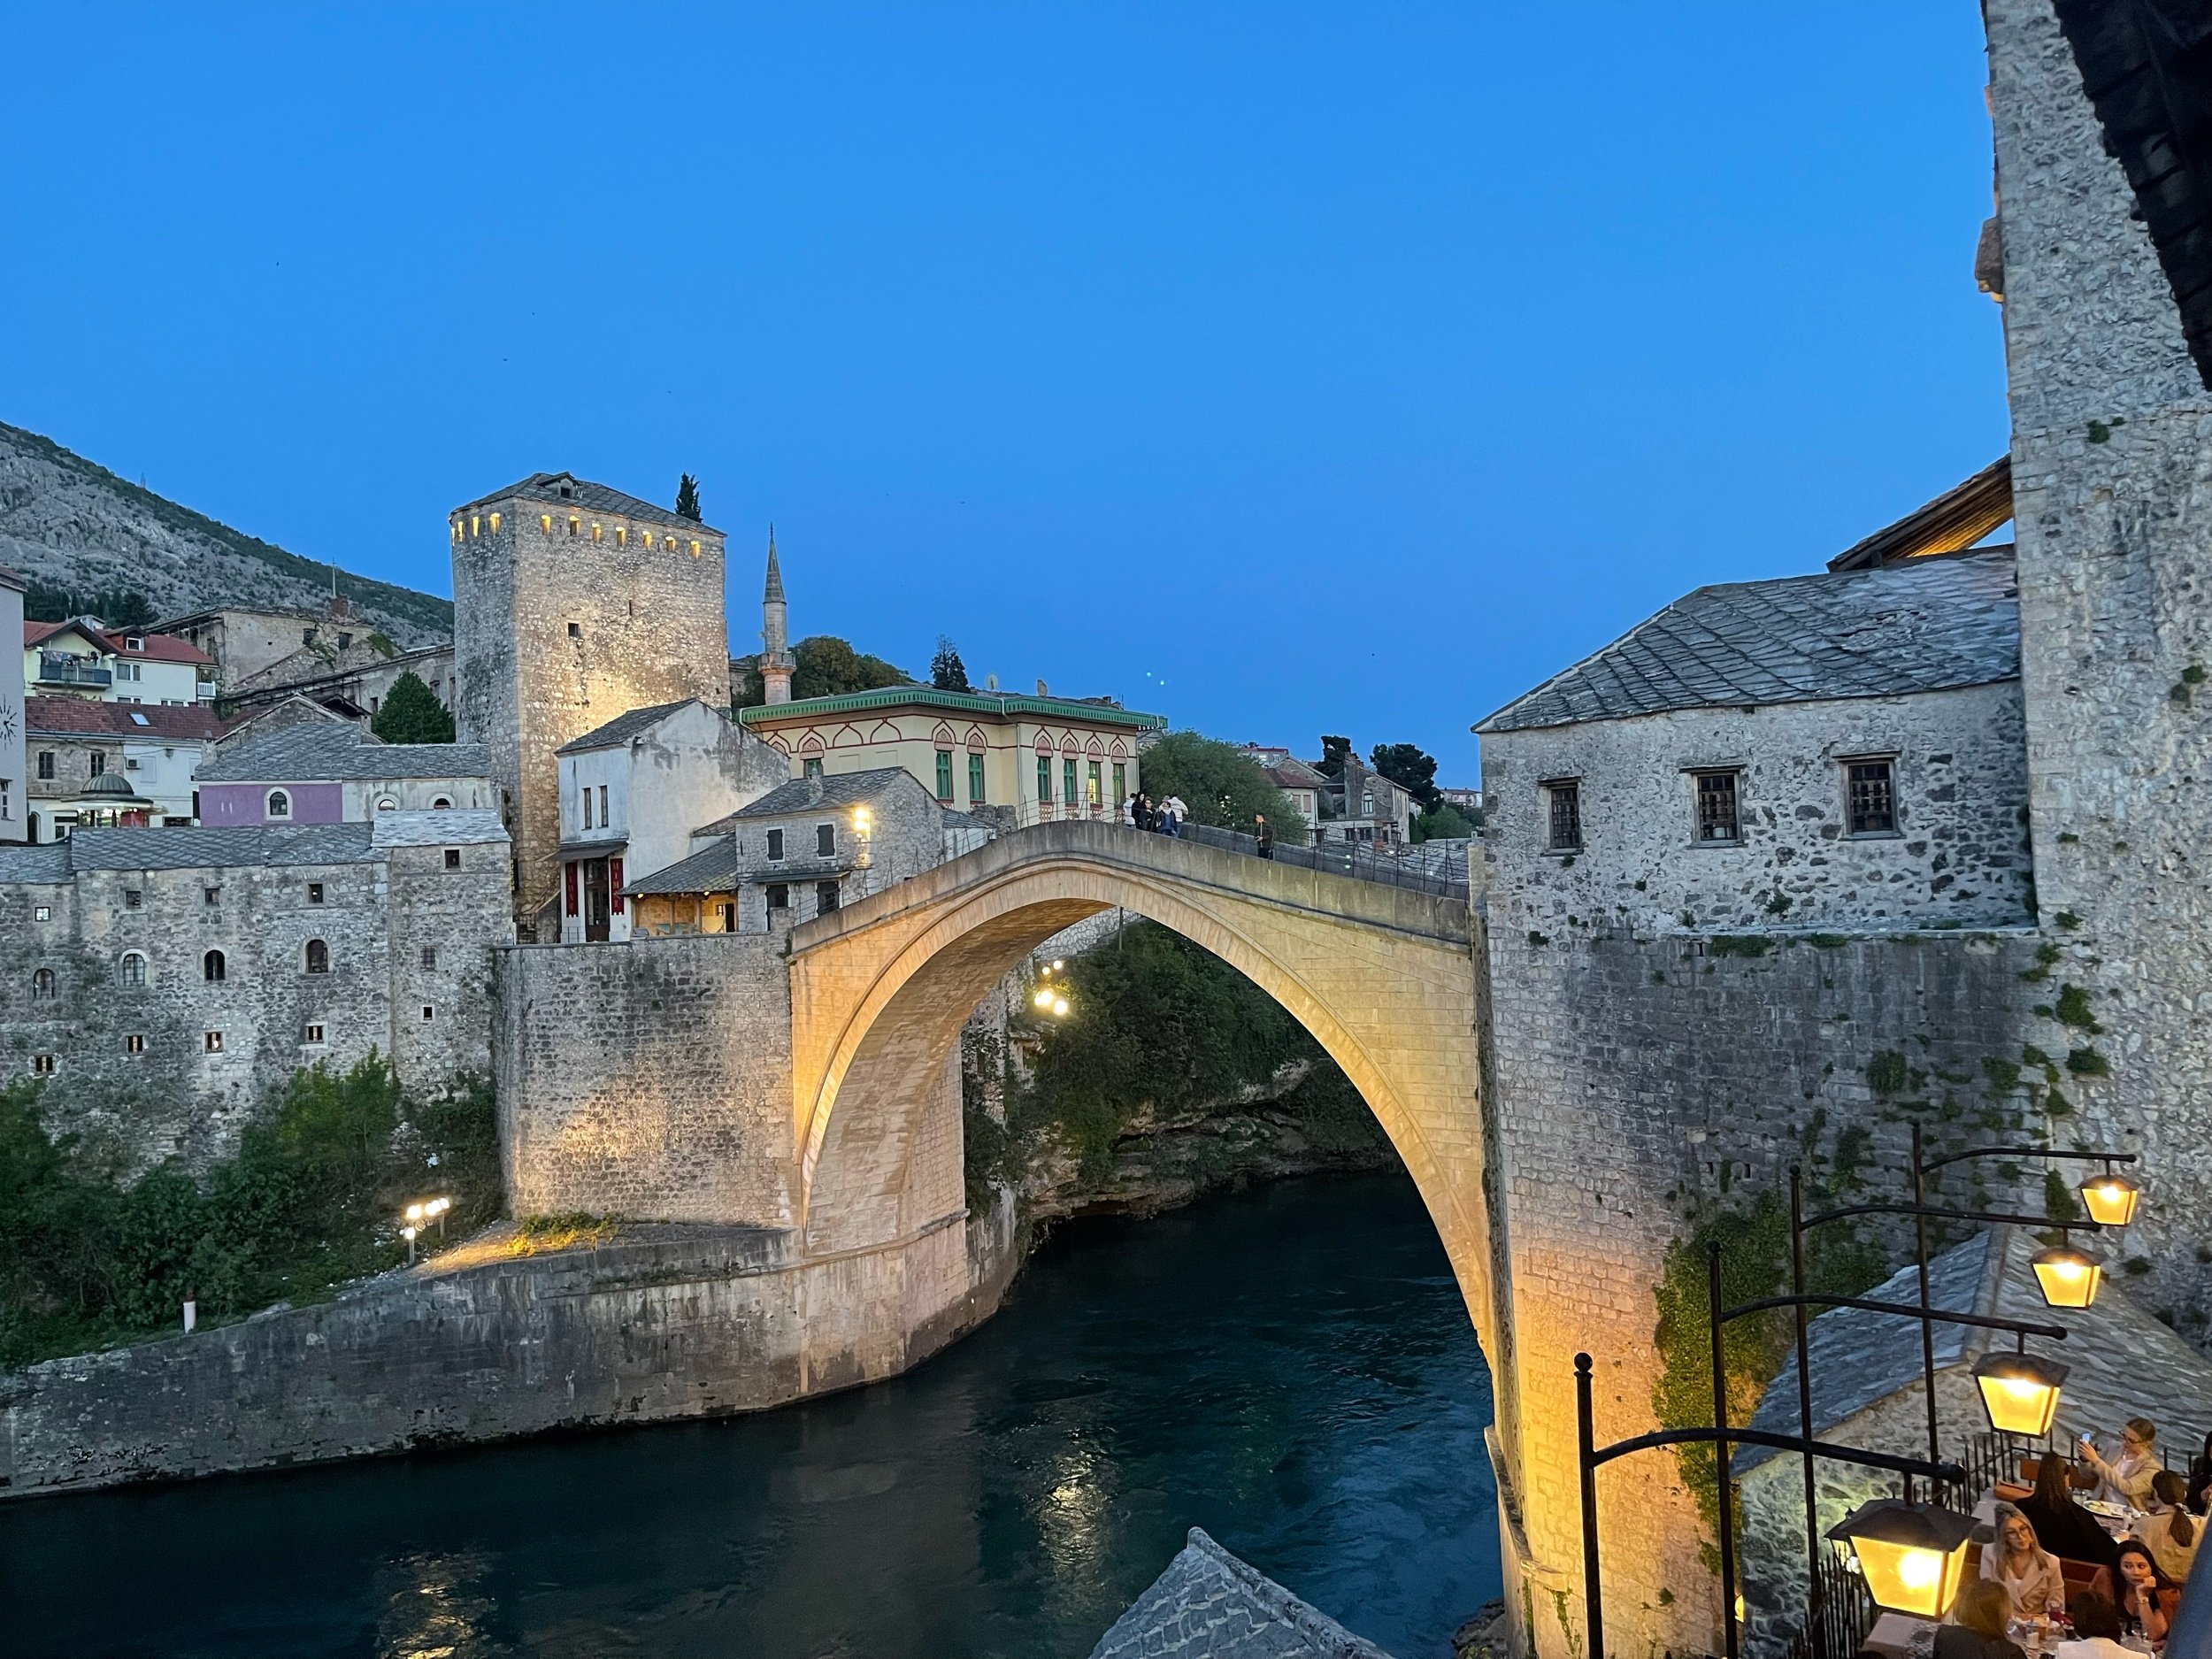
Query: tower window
[
  {"x": 476, "y": 525},
  {"x": 575, "y": 525},
  {"x": 453, "y": 857},
  {"x": 428, "y": 1012},
  {"x": 430, "y": 955},
  {"x": 314, "y": 893},
  {"x": 212, "y": 968},
  {"x": 42, "y": 1065},
  {"x": 212, "y": 1043},
  {"x": 575, "y": 630},
  {"x": 314, "y": 1033},
  {"x": 545, "y": 522},
  {"x": 495, "y": 524},
  {"x": 597, "y": 535},
  {"x": 133, "y": 968},
  {"x": 134, "y": 1043},
  {"x": 43, "y": 986},
  {"x": 694, "y": 549},
  {"x": 621, "y": 535},
  {"x": 1870, "y": 797},
  {"x": 318, "y": 956},
  {"x": 133, "y": 897},
  {"x": 1565, "y": 799}
]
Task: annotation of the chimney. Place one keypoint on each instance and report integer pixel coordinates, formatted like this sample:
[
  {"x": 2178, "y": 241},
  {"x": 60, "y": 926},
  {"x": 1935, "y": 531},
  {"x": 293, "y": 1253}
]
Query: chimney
[{"x": 1041, "y": 689}]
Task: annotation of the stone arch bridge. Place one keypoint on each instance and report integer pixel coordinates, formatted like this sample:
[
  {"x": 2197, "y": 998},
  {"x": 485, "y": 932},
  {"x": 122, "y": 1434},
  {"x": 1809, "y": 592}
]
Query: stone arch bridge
[{"x": 1383, "y": 978}]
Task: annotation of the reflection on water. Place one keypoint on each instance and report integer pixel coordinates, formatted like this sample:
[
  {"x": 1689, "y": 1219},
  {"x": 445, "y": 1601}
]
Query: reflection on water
[{"x": 1289, "y": 1368}]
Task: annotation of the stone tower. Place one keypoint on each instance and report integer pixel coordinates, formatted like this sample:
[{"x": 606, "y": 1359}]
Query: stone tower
[
  {"x": 574, "y": 603},
  {"x": 776, "y": 663}
]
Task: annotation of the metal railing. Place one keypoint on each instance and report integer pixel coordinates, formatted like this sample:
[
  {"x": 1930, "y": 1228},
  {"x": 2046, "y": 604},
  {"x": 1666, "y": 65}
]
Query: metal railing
[
  {"x": 1842, "y": 1615},
  {"x": 61, "y": 668},
  {"x": 1429, "y": 869}
]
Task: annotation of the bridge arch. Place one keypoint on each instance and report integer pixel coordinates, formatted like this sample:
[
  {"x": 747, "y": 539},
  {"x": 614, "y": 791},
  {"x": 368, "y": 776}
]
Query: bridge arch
[{"x": 1383, "y": 979}]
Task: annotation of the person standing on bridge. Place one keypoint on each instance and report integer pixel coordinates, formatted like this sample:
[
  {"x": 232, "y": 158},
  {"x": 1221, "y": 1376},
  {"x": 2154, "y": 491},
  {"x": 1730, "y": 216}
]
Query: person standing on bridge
[
  {"x": 1172, "y": 812},
  {"x": 1263, "y": 833}
]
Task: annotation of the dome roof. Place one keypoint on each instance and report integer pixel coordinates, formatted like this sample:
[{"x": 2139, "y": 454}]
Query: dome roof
[{"x": 112, "y": 789}]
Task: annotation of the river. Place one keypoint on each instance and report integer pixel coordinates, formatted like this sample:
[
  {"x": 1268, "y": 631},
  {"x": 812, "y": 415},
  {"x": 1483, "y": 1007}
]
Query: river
[{"x": 1289, "y": 1367}]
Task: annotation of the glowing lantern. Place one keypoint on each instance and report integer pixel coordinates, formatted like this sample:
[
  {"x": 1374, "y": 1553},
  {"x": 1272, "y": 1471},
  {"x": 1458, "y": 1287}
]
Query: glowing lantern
[
  {"x": 2110, "y": 1199},
  {"x": 1912, "y": 1555},
  {"x": 2019, "y": 1390},
  {"x": 2069, "y": 1277}
]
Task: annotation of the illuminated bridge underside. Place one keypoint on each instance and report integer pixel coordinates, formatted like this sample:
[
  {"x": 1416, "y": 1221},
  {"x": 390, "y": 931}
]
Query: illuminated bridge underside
[{"x": 1383, "y": 979}]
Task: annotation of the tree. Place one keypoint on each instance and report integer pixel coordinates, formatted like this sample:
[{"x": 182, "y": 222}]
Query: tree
[
  {"x": 1443, "y": 822},
  {"x": 826, "y": 666},
  {"x": 688, "y": 497},
  {"x": 116, "y": 607},
  {"x": 1406, "y": 765},
  {"x": 1334, "y": 752},
  {"x": 947, "y": 672},
  {"x": 412, "y": 713},
  {"x": 1221, "y": 785}
]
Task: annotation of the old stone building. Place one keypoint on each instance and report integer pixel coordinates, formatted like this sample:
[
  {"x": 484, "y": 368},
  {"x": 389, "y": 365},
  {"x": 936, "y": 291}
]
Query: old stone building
[
  {"x": 154, "y": 751},
  {"x": 574, "y": 603},
  {"x": 333, "y": 771},
  {"x": 12, "y": 745},
  {"x": 633, "y": 793},
  {"x": 167, "y": 979}
]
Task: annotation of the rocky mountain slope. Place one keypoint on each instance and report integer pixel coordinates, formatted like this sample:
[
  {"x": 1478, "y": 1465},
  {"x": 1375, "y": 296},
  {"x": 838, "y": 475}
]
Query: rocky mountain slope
[{"x": 67, "y": 522}]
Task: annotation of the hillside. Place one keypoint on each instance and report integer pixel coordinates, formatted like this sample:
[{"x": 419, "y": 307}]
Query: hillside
[{"x": 68, "y": 522}]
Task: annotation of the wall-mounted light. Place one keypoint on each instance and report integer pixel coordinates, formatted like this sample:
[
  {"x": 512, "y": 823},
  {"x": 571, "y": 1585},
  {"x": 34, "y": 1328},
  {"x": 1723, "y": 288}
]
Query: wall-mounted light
[
  {"x": 1912, "y": 1555},
  {"x": 2019, "y": 1390},
  {"x": 2069, "y": 1277}
]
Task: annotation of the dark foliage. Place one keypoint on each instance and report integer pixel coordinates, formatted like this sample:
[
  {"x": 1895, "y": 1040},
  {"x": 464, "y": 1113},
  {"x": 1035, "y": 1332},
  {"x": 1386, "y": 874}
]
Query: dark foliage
[
  {"x": 312, "y": 1198},
  {"x": 947, "y": 672},
  {"x": 412, "y": 713},
  {"x": 1221, "y": 786},
  {"x": 688, "y": 497},
  {"x": 1334, "y": 752},
  {"x": 1410, "y": 767},
  {"x": 117, "y": 608}
]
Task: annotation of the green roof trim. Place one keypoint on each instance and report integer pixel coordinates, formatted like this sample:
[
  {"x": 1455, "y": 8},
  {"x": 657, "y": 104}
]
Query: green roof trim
[{"x": 1001, "y": 704}]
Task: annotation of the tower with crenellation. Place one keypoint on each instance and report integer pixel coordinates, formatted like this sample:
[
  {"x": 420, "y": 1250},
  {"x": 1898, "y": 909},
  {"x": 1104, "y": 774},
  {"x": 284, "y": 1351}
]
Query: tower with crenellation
[{"x": 574, "y": 602}]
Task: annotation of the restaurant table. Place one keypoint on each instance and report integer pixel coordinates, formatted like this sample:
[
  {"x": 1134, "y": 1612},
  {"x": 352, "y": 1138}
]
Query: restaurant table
[{"x": 1901, "y": 1636}]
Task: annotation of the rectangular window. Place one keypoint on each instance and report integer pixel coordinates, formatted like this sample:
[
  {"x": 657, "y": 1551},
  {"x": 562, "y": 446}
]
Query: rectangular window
[
  {"x": 210, "y": 896},
  {"x": 810, "y": 767},
  {"x": 826, "y": 840},
  {"x": 46, "y": 765},
  {"x": 775, "y": 846},
  {"x": 824, "y": 897},
  {"x": 134, "y": 1044},
  {"x": 132, "y": 898},
  {"x": 1565, "y": 799},
  {"x": 587, "y": 806},
  {"x": 314, "y": 1033},
  {"x": 453, "y": 857},
  {"x": 975, "y": 780},
  {"x": 1096, "y": 786},
  {"x": 779, "y": 896},
  {"x": 603, "y": 819},
  {"x": 1871, "y": 791},
  {"x": 1044, "y": 778},
  {"x": 428, "y": 1012},
  {"x": 1717, "y": 806},
  {"x": 944, "y": 775},
  {"x": 314, "y": 893},
  {"x": 42, "y": 1065},
  {"x": 430, "y": 955},
  {"x": 98, "y": 762},
  {"x": 570, "y": 872},
  {"x": 1121, "y": 783},
  {"x": 1067, "y": 782},
  {"x": 729, "y": 918},
  {"x": 212, "y": 1043}
]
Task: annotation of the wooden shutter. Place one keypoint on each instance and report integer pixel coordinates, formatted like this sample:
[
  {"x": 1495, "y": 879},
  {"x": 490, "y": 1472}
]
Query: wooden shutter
[
  {"x": 614, "y": 884},
  {"x": 569, "y": 868}
]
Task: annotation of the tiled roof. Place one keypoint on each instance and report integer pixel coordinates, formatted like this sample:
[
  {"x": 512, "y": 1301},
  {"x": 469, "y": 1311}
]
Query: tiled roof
[
  {"x": 153, "y": 647},
  {"x": 207, "y": 848},
  {"x": 802, "y": 795},
  {"x": 456, "y": 827},
  {"x": 711, "y": 870},
  {"x": 545, "y": 486},
  {"x": 1209, "y": 1605},
  {"x": 47, "y": 862},
  {"x": 66, "y": 717},
  {"x": 339, "y": 751},
  {"x": 997, "y": 704},
  {"x": 1926, "y": 625},
  {"x": 623, "y": 728}
]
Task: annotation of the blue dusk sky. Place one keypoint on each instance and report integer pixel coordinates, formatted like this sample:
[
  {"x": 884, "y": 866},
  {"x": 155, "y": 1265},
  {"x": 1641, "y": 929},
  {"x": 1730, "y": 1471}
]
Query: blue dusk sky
[{"x": 1279, "y": 368}]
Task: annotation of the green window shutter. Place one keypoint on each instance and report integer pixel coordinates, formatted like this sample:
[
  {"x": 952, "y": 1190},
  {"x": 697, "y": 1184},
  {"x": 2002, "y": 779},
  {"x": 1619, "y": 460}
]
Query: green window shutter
[
  {"x": 1044, "y": 778},
  {"x": 944, "y": 774},
  {"x": 1121, "y": 783},
  {"x": 975, "y": 780},
  {"x": 1067, "y": 782}
]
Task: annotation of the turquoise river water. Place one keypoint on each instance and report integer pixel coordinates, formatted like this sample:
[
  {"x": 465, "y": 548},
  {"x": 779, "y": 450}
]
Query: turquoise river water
[{"x": 1289, "y": 1367}]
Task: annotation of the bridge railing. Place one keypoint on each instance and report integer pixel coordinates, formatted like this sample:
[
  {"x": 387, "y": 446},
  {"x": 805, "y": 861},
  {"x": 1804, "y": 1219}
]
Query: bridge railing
[{"x": 1430, "y": 868}]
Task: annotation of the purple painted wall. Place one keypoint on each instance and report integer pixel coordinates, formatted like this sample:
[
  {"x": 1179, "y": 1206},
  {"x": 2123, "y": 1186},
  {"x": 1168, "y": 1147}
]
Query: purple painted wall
[{"x": 246, "y": 804}]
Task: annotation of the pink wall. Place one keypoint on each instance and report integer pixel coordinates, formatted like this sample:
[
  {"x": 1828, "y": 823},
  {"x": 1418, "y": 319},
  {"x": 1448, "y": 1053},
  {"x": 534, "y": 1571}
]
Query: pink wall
[{"x": 245, "y": 803}]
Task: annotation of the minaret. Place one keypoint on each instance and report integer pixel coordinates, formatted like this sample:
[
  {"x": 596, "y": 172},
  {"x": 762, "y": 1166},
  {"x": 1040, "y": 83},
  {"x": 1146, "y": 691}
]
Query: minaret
[{"x": 776, "y": 662}]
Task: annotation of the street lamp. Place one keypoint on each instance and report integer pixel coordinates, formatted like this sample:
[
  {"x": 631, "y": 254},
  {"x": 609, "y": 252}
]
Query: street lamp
[
  {"x": 1912, "y": 1555},
  {"x": 2069, "y": 1277},
  {"x": 420, "y": 1215},
  {"x": 2019, "y": 1390},
  {"x": 864, "y": 824},
  {"x": 2110, "y": 1198}
]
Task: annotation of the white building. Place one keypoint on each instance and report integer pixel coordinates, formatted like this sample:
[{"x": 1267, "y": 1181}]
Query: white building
[
  {"x": 81, "y": 658},
  {"x": 632, "y": 793},
  {"x": 77, "y": 749}
]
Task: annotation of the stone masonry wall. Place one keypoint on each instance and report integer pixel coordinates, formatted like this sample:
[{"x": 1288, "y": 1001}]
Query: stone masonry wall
[
  {"x": 1638, "y": 1080},
  {"x": 647, "y": 627},
  {"x": 660, "y": 1324},
  {"x": 2112, "y": 481},
  {"x": 650, "y": 1080},
  {"x": 1959, "y": 856}
]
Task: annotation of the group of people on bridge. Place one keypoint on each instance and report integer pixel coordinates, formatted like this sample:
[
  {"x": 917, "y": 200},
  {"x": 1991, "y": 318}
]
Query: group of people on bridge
[{"x": 1165, "y": 818}]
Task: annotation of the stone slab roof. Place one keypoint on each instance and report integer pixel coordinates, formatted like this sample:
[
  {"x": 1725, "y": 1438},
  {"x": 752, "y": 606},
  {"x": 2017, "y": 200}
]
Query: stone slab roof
[
  {"x": 623, "y": 728},
  {"x": 455, "y": 827},
  {"x": 209, "y": 848},
  {"x": 1931, "y": 624},
  {"x": 804, "y": 796},
  {"x": 319, "y": 752},
  {"x": 1209, "y": 1605},
  {"x": 590, "y": 497},
  {"x": 48, "y": 862},
  {"x": 711, "y": 870},
  {"x": 2122, "y": 1362}
]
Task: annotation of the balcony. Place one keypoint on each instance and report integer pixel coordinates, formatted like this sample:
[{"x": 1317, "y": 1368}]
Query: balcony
[{"x": 59, "y": 668}]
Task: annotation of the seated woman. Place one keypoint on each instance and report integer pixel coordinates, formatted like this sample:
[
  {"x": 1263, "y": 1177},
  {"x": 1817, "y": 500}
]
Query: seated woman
[
  {"x": 2147, "y": 1600},
  {"x": 2127, "y": 1477},
  {"x": 2096, "y": 1630},
  {"x": 2029, "y": 1572},
  {"x": 2062, "y": 1525},
  {"x": 1978, "y": 1626},
  {"x": 2172, "y": 1533}
]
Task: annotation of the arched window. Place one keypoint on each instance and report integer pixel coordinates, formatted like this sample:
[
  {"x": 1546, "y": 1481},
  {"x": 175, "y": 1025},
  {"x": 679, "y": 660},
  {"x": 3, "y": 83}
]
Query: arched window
[
  {"x": 441, "y": 804},
  {"x": 279, "y": 805},
  {"x": 212, "y": 967},
  {"x": 43, "y": 986},
  {"x": 318, "y": 956},
  {"x": 384, "y": 804},
  {"x": 133, "y": 968}
]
